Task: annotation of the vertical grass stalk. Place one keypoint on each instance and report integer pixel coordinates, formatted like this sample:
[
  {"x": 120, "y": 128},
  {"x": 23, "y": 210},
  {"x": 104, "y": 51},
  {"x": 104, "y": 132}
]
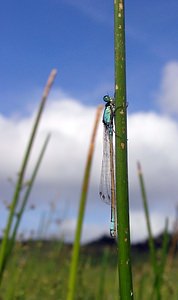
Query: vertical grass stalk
[
  {"x": 145, "y": 205},
  {"x": 28, "y": 190},
  {"x": 158, "y": 267},
  {"x": 122, "y": 195},
  {"x": 150, "y": 235},
  {"x": 102, "y": 277},
  {"x": 174, "y": 242},
  {"x": 163, "y": 256},
  {"x": 76, "y": 246},
  {"x": 12, "y": 237},
  {"x": 19, "y": 184}
]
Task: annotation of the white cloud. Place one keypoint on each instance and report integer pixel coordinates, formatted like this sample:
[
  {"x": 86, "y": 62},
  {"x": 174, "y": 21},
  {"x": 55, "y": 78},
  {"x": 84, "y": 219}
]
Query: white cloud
[
  {"x": 152, "y": 139},
  {"x": 90, "y": 230},
  {"x": 139, "y": 228},
  {"x": 168, "y": 94}
]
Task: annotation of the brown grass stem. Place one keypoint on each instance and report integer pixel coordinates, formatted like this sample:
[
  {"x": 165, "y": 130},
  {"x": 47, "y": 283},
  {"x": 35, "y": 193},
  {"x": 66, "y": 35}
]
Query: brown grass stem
[{"x": 83, "y": 198}]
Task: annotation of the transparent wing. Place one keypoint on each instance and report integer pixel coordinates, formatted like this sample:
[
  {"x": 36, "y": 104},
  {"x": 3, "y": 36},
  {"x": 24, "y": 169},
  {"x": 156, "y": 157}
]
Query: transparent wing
[{"x": 105, "y": 179}]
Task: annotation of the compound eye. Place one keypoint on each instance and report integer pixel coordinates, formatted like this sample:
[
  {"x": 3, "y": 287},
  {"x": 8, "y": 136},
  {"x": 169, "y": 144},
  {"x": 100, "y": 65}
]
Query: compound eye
[{"x": 106, "y": 98}]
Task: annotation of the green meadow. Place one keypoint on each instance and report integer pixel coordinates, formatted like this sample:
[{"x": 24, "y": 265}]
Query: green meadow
[{"x": 40, "y": 270}]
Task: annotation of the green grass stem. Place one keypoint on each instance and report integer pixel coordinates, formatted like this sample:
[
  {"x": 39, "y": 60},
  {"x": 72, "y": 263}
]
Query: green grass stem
[
  {"x": 164, "y": 248},
  {"x": 157, "y": 266},
  {"x": 19, "y": 184},
  {"x": 102, "y": 277},
  {"x": 122, "y": 194},
  {"x": 174, "y": 242},
  {"x": 12, "y": 237},
  {"x": 162, "y": 263},
  {"x": 163, "y": 258},
  {"x": 150, "y": 235},
  {"x": 84, "y": 191},
  {"x": 28, "y": 191},
  {"x": 147, "y": 217},
  {"x": 141, "y": 288}
]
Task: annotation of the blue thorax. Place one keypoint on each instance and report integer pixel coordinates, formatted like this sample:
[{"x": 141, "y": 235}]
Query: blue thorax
[{"x": 108, "y": 117}]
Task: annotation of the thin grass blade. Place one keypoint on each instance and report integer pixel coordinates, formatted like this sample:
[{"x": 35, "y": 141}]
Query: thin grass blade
[
  {"x": 28, "y": 191},
  {"x": 153, "y": 258},
  {"x": 83, "y": 198},
  {"x": 102, "y": 277},
  {"x": 146, "y": 210},
  {"x": 19, "y": 184}
]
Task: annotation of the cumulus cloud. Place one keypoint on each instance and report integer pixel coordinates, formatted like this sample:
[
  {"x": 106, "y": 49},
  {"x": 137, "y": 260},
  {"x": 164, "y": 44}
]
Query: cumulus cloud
[
  {"x": 152, "y": 139},
  {"x": 139, "y": 228},
  {"x": 60, "y": 176},
  {"x": 168, "y": 93},
  {"x": 70, "y": 124}
]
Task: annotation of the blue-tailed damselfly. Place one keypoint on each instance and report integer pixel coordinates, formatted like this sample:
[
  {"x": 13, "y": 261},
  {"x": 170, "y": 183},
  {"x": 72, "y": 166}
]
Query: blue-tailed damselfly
[{"x": 107, "y": 181}]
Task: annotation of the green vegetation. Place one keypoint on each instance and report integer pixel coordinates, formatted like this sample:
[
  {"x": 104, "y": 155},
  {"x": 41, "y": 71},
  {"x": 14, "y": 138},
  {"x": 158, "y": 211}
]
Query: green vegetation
[
  {"x": 14, "y": 214},
  {"x": 158, "y": 266},
  {"x": 122, "y": 193},
  {"x": 36, "y": 270},
  {"x": 40, "y": 270}
]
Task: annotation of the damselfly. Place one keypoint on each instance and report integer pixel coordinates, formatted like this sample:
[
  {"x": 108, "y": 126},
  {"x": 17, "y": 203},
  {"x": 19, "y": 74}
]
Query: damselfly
[{"x": 107, "y": 181}]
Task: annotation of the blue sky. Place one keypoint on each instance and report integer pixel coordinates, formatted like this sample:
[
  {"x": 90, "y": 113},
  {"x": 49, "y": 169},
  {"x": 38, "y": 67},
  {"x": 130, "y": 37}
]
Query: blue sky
[{"x": 76, "y": 37}]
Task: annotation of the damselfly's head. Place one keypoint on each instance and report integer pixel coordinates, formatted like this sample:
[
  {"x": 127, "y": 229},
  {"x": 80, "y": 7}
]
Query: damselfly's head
[{"x": 107, "y": 98}]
